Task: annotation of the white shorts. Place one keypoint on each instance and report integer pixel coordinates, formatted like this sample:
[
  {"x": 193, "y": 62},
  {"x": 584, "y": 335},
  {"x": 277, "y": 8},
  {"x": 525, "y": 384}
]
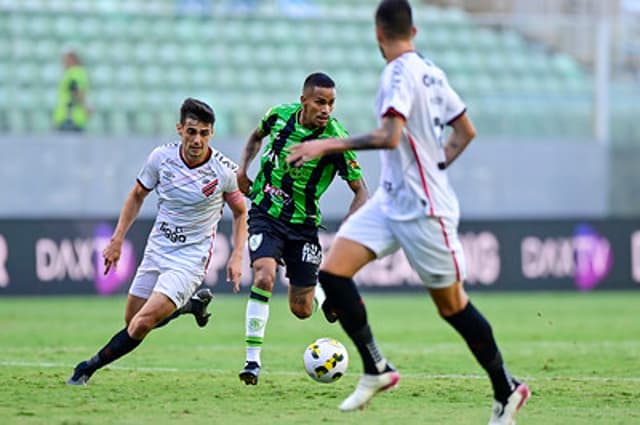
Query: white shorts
[
  {"x": 431, "y": 244},
  {"x": 177, "y": 283}
]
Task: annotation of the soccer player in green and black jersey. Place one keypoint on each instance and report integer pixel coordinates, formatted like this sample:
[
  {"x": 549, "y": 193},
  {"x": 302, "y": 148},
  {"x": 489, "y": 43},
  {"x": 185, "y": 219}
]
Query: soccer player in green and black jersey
[{"x": 285, "y": 213}]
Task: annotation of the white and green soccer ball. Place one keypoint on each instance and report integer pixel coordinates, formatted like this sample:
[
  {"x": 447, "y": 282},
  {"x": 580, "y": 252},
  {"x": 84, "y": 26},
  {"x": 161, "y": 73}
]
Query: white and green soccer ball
[{"x": 326, "y": 360}]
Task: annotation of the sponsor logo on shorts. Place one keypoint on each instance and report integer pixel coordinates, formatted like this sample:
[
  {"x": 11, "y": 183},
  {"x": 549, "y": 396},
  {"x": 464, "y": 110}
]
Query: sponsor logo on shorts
[
  {"x": 311, "y": 253},
  {"x": 255, "y": 241}
]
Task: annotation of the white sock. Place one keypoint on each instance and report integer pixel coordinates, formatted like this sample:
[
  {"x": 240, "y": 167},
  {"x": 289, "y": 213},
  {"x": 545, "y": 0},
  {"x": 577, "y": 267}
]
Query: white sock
[{"x": 257, "y": 315}]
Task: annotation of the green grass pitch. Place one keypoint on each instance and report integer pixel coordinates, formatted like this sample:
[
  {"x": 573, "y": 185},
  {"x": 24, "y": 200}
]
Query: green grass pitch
[{"x": 580, "y": 354}]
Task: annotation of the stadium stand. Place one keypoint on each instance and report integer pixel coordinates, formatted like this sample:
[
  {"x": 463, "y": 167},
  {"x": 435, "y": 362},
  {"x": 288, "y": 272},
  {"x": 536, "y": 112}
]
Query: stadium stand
[{"x": 144, "y": 57}]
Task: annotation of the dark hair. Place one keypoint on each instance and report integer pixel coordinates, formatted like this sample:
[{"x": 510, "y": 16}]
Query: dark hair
[
  {"x": 318, "y": 79},
  {"x": 394, "y": 18},
  {"x": 196, "y": 110}
]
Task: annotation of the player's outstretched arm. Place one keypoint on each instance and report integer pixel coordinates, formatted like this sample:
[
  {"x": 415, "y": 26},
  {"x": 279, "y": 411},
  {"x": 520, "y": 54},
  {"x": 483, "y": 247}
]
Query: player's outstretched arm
[
  {"x": 251, "y": 149},
  {"x": 238, "y": 207},
  {"x": 462, "y": 134},
  {"x": 388, "y": 136},
  {"x": 128, "y": 214}
]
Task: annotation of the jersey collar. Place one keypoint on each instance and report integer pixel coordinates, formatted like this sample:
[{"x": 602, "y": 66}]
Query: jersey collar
[{"x": 197, "y": 164}]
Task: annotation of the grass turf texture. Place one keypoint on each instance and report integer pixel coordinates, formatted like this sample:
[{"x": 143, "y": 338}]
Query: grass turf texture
[{"x": 580, "y": 354}]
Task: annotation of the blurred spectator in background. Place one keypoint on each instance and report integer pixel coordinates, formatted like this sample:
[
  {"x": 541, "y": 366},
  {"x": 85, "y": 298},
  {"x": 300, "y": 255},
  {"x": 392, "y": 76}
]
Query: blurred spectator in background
[{"x": 71, "y": 112}]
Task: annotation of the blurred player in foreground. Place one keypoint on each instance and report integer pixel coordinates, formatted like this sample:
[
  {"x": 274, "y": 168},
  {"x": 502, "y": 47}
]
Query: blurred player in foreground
[
  {"x": 193, "y": 182},
  {"x": 414, "y": 209},
  {"x": 285, "y": 211}
]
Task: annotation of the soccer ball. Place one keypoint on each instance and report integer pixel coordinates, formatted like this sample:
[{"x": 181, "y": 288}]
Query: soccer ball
[{"x": 326, "y": 360}]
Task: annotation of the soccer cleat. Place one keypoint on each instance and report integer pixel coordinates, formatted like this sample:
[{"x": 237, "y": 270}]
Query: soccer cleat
[
  {"x": 504, "y": 414},
  {"x": 199, "y": 302},
  {"x": 81, "y": 374},
  {"x": 368, "y": 386},
  {"x": 249, "y": 375}
]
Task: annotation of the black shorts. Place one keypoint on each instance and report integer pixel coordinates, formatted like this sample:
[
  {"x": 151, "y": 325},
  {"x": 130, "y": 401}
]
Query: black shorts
[{"x": 294, "y": 246}]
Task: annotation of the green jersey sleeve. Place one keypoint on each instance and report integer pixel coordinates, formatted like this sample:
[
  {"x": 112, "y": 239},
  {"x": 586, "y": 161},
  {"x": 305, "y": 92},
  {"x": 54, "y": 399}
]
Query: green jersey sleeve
[
  {"x": 268, "y": 120},
  {"x": 350, "y": 169}
]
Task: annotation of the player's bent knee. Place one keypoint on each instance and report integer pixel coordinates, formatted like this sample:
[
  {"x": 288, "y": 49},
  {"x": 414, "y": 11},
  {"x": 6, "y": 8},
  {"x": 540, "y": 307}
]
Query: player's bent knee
[
  {"x": 264, "y": 282},
  {"x": 302, "y": 311},
  {"x": 140, "y": 327}
]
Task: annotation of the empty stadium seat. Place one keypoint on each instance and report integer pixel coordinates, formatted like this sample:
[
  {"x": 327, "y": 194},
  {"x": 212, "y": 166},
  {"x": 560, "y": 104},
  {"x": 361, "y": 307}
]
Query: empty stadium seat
[{"x": 144, "y": 53}]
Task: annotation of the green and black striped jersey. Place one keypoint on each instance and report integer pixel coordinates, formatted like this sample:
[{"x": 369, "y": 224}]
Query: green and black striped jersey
[{"x": 293, "y": 194}]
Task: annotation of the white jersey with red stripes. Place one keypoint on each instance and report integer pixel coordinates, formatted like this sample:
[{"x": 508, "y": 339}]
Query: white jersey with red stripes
[
  {"x": 190, "y": 205},
  {"x": 411, "y": 183}
]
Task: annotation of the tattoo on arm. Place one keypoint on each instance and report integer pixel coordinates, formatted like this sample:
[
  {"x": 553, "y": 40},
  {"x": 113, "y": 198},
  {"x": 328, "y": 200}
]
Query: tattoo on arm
[
  {"x": 373, "y": 140},
  {"x": 252, "y": 148},
  {"x": 386, "y": 136}
]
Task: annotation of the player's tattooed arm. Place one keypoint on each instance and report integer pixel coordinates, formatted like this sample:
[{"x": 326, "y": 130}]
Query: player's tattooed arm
[
  {"x": 462, "y": 134},
  {"x": 386, "y": 137},
  {"x": 251, "y": 149}
]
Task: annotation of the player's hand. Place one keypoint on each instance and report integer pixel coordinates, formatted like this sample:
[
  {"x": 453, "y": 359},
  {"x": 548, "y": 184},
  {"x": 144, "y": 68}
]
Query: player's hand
[
  {"x": 300, "y": 153},
  {"x": 111, "y": 255},
  {"x": 234, "y": 272},
  {"x": 244, "y": 183}
]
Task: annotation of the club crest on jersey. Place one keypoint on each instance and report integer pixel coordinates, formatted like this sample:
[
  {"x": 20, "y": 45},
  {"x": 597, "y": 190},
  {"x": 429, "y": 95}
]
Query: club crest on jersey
[
  {"x": 210, "y": 187},
  {"x": 353, "y": 164},
  {"x": 255, "y": 241}
]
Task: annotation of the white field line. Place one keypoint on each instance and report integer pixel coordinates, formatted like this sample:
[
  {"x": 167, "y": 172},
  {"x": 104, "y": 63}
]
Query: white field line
[
  {"x": 395, "y": 348},
  {"x": 425, "y": 376}
]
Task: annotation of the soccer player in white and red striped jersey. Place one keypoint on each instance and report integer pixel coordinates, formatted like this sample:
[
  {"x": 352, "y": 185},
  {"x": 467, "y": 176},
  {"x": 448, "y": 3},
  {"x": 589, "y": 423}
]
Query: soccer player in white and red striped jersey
[
  {"x": 193, "y": 182},
  {"x": 414, "y": 208}
]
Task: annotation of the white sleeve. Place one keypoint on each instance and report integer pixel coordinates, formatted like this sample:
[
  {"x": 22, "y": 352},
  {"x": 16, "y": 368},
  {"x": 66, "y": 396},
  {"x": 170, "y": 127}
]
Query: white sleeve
[
  {"x": 397, "y": 91},
  {"x": 232, "y": 182},
  {"x": 149, "y": 174}
]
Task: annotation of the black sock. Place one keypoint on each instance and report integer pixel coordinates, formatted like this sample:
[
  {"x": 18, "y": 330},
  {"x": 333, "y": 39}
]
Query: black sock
[
  {"x": 120, "y": 344},
  {"x": 345, "y": 301},
  {"x": 166, "y": 320},
  {"x": 476, "y": 331}
]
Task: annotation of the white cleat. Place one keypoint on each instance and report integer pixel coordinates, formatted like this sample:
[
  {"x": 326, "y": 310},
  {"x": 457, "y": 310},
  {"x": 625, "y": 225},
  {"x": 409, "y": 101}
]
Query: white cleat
[
  {"x": 504, "y": 414},
  {"x": 368, "y": 386}
]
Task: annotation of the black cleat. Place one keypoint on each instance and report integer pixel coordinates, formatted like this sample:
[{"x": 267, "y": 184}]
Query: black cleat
[
  {"x": 198, "y": 306},
  {"x": 249, "y": 375},
  {"x": 81, "y": 374},
  {"x": 329, "y": 314}
]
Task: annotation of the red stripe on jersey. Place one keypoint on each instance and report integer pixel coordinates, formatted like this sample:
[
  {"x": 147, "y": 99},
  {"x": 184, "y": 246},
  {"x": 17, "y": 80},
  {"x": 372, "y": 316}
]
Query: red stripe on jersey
[
  {"x": 423, "y": 179},
  {"x": 453, "y": 253},
  {"x": 210, "y": 252},
  {"x": 392, "y": 112}
]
